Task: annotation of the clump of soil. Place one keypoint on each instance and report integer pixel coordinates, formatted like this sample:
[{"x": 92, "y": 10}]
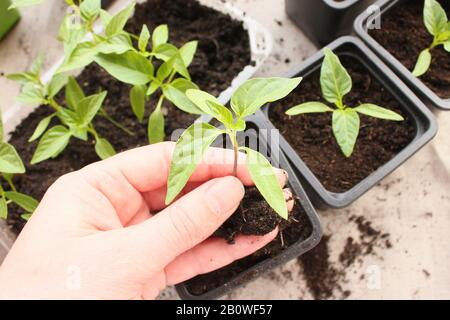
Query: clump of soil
[
  {"x": 404, "y": 35},
  {"x": 223, "y": 51},
  {"x": 326, "y": 278},
  {"x": 254, "y": 217},
  {"x": 311, "y": 135},
  {"x": 297, "y": 229}
]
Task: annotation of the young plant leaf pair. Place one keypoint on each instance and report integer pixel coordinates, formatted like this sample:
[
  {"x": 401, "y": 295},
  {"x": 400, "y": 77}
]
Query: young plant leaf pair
[
  {"x": 335, "y": 84},
  {"x": 437, "y": 24},
  {"x": 194, "y": 142},
  {"x": 76, "y": 118},
  {"x": 10, "y": 164}
]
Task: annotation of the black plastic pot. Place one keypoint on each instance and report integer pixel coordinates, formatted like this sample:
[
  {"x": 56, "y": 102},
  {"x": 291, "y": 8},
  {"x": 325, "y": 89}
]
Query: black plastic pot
[
  {"x": 277, "y": 159},
  {"x": 419, "y": 88},
  {"x": 325, "y": 20},
  {"x": 426, "y": 126}
]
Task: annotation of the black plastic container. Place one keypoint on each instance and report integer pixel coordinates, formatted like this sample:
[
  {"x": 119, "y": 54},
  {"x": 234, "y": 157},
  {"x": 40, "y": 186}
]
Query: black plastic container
[
  {"x": 289, "y": 253},
  {"x": 419, "y": 88},
  {"x": 325, "y": 20},
  {"x": 426, "y": 126}
]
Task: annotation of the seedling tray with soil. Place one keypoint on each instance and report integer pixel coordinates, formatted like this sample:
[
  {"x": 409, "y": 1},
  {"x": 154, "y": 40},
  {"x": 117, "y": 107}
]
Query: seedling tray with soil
[
  {"x": 297, "y": 235},
  {"x": 230, "y": 50},
  {"x": 399, "y": 41},
  {"x": 325, "y": 20},
  {"x": 332, "y": 180}
]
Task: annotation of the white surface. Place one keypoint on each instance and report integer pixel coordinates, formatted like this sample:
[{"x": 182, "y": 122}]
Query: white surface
[{"x": 412, "y": 204}]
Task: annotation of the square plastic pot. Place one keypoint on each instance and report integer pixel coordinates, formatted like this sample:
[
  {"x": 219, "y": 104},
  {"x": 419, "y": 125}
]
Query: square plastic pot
[
  {"x": 300, "y": 247},
  {"x": 8, "y": 18},
  {"x": 325, "y": 20},
  {"x": 423, "y": 119},
  {"x": 361, "y": 27}
]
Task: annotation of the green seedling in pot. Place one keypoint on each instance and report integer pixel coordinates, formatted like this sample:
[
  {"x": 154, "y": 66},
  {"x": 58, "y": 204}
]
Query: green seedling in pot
[
  {"x": 11, "y": 164},
  {"x": 335, "y": 84},
  {"x": 76, "y": 118},
  {"x": 193, "y": 143},
  {"x": 437, "y": 24}
]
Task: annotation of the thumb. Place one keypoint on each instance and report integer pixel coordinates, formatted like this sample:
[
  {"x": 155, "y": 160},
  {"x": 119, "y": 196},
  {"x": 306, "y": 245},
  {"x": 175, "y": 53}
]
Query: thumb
[{"x": 188, "y": 221}]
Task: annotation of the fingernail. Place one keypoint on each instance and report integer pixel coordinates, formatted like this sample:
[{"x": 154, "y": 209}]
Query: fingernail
[{"x": 225, "y": 194}]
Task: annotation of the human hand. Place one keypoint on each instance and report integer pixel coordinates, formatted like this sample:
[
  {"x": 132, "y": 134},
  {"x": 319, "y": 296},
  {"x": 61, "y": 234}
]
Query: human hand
[{"x": 93, "y": 236}]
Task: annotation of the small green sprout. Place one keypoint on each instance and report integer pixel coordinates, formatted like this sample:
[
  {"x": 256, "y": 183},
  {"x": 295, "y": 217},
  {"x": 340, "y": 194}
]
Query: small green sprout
[
  {"x": 335, "y": 84},
  {"x": 76, "y": 118},
  {"x": 437, "y": 24},
  {"x": 196, "y": 139},
  {"x": 11, "y": 164}
]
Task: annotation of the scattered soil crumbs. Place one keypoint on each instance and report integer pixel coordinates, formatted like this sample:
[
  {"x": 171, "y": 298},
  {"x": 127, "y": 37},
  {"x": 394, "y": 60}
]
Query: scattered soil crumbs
[{"x": 325, "y": 278}]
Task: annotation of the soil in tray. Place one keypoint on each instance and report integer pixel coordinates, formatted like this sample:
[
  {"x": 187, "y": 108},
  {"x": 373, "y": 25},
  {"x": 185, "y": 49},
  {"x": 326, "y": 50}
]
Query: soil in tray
[
  {"x": 223, "y": 52},
  {"x": 256, "y": 213},
  {"x": 312, "y": 138},
  {"x": 404, "y": 35}
]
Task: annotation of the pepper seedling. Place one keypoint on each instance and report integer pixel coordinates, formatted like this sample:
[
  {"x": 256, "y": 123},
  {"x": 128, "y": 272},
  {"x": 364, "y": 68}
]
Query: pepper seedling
[
  {"x": 196, "y": 139},
  {"x": 11, "y": 164},
  {"x": 76, "y": 118},
  {"x": 437, "y": 24},
  {"x": 136, "y": 67},
  {"x": 335, "y": 84}
]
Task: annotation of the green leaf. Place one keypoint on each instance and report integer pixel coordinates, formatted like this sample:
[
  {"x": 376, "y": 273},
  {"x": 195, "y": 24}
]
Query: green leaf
[
  {"x": 200, "y": 99},
  {"x": 189, "y": 151},
  {"x": 51, "y": 144},
  {"x": 24, "y": 201},
  {"x": 104, "y": 149},
  {"x": 71, "y": 119},
  {"x": 254, "y": 93},
  {"x": 81, "y": 56},
  {"x": 144, "y": 37},
  {"x": 129, "y": 67},
  {"x": 10, "y": 161},
  {"x": 41, "y": 127},
  {"x": 346, "y": 129},
  {"x": 90, "y": 9},
  {"x": 73, "y": 37},
  {"x": 3, "y": 208},
  {"x": 31, "y": 95},
  {"x": 23, "y": 3},
  {"x": 375, "y": 111},
  {"x": 88, "y": 107},
  {"x": 447, "y": 46},
  {"x": 137, "y": 100},
  {"x": 187, "y": 52},
  {"x": 165, "y": 51},
  {"x": 266, "y": 181},
  {"x": 105, "y": 17},
  {"x": 178, "y": 97},
  {"x": 56, "y": 83},
  {"x": 117, "y": 44},
  {"x": 164, "y": 70},
  {"x": 309, "y": 107},
  {"x": 155, "y": 128},
  {"x": 118, "y": 21},
  {"x": 434, "y": 17},
  {"x": 335, "y": 81},
  {"x": 154, "y": 85},
  {"x": 22, "y": 78},
  {"x": 423, "y": 63},
  {"x": 160, "y": 35},
  {"x": 73, "y": 92}
]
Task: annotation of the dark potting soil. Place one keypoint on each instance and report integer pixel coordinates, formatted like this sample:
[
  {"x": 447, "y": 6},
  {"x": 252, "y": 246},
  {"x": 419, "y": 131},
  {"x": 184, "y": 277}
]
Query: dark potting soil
[
  {"x": 311, "y": 135},
  {"x": 254, "y": 217},
  {"x": 297, "y": 229},
  {"x": 325, "y": 278},
  {"x": 404, "y": 35},
  {"x": 223, "y": 51}
]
